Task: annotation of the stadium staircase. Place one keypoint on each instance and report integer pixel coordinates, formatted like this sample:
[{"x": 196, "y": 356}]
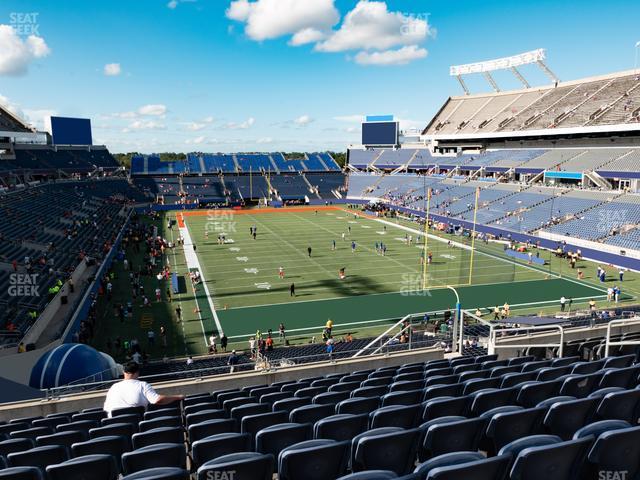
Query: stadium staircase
[
  {"x": 569, "y": 113},
  {"x": 274, "y": 165},
  {"x": 598, "y": 114},
  {"x": 312, "y": 189},
  {"x": 598, "y": 180},
  {"x": 235, "y": 162}
]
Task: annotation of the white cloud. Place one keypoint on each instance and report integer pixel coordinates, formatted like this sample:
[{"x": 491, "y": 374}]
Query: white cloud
[
  {"x": 248, "y": 123},
  {"x": 349, "y": 118},
  {"x": 13, "y": 107},
  {"x": 305, "y": 36},
  {"x": 370, "y": 25},
  {"x": 153, "y": 110},
  {"x": 194, "y": 126},
  {"x": 264, "y": 140},
  {"x": 269, "y": 19},
  {"x": 39, "y": 118},
  {"x": 146, "y": 125},
  {"x": 303, "y": 120},
  {"x": 208, "y": 119},
  {"x": 195, "y": 141},
  {"x": 402, "y": 56},
  {"x": 16, "y": 54},
  {"x": 172, "y": 4},
  {"x": 112, "y": 69}
]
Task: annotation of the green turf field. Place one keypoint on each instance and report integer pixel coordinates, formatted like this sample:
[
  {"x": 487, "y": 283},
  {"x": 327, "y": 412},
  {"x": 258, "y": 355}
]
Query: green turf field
[
  {"x": 242, "y": 275},
  {"x": 243, "y": 286}
]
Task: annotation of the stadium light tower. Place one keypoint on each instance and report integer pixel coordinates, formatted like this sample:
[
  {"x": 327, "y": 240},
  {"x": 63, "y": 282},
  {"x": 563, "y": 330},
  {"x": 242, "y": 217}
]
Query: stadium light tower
[{"x": 506, "y": 63}]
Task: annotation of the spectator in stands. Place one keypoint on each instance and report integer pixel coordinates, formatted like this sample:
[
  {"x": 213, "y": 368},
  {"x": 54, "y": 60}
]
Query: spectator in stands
[
  {"x": 233, "y": 361},
  {"x": 131, "y": 392},
  {"x": 21, "y": 348}
]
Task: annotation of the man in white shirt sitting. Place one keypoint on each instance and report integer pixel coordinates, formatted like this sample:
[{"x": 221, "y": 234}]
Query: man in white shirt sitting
[{"x": 131, "y": 392}]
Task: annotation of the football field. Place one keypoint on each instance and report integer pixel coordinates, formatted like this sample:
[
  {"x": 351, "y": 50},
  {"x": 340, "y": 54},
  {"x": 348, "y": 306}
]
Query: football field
[{"x": 243, "y": 291}]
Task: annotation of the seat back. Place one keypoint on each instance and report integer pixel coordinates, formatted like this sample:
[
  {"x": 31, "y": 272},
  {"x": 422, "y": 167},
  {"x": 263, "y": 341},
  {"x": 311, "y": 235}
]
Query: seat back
[{"x": 564, "y": 459}]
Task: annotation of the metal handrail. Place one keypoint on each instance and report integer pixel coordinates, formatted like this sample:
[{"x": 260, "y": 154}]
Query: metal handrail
[
  {"x": 493, "y": 345},
  {"x": 623, "y": 321},
  {"x": 381, "y": 336},
  {"x": 199, "y": 373}
]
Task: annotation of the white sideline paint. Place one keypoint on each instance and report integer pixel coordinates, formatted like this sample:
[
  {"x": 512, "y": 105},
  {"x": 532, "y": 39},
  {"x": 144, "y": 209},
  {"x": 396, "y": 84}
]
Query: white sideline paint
[{"x": 192, "y": 262}]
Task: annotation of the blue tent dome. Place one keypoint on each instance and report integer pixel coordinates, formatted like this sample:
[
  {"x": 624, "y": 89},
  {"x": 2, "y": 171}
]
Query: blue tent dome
[{"x": 70, "y": 362}]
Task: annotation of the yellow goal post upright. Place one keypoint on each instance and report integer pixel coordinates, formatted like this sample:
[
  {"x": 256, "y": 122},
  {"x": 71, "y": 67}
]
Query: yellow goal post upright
[
  {"x": 473, "y": 235},
  {"x": 425, "y": 252}
]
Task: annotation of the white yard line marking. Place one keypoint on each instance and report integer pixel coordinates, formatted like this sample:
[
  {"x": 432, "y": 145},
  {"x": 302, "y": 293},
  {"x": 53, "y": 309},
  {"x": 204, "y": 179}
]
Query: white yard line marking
[{"x": 192, "y": 262}]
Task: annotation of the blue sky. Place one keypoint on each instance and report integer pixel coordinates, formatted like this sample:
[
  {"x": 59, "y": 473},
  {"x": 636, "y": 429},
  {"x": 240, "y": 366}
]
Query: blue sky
[{"x": 262, "y": 75}]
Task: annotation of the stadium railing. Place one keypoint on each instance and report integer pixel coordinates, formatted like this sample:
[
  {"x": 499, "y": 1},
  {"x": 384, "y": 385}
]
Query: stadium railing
[{"x": 620, "y": 322}]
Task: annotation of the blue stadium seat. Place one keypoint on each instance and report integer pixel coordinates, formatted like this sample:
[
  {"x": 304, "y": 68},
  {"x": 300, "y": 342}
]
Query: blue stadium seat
[
  {"x": 602, "y": 392},
  {"x": 620, "y": 406},
  {"x": 559, "y": 461},
  {"x": 98, "y": 467},
  {"x": 404, "y": 416},
  {"x": 484, "y": 469},
  {"x": 504, "y": 428},
  {"x": 615, "y": 451},
  {"x": 157, "y": 435},
  {"x": 125, "y": 430},
  {"x": 246, "y": 465},
  {"x": 131, "y": 418},
  {"x": 446, "y": 460},
  {"x": 313, "y": 460},
  {"x": 532, "y": 394},
  {"x": 553, "y": 400},
  {"x": 16, "y": 445},
  {"x": 146, "y": 425},
  {"x": 218, "y": 445},
  {"x": 95, "y": 416},
  {"x": 204, "y": 429},
  {"x": 310, "y": 413},
  {"x": 564, "y": 419},
  {"x": 78, "y": 425},
  {"x": 370, "y": 475},
  {"x": 388, "y": 448},
  {"x": 272, "y": 440},
  {"x": 163, "y": 473},
  {"x": 38, "y": 457},
  {"x": 271, "y": 398},
  {"x": 342, "y": 426},
  {"x": 254, "y": 423},
  {"x": 289, "y": 404},
  {"x": 515, "y": 447},
  {"x": 461, "y": 435},
  {"x": 358, "y": 405},
  {"x": 204, "y": 415},
  {"x": 162, "y": 412},
  {"x": 32, "y": 433},
  {"x": 444, "y": 407},
  {"x": 153, "y": 456},
  {"x": 409, "y": 397},
  {"x": 66, "y": 439},
  {"x": 111, "y": 445},
  {"x": 597, "y": 428},
  {"x": 21, "y": 473},
  {"x": 51, "y": 422},
  {"x": 330, "y": 398}
]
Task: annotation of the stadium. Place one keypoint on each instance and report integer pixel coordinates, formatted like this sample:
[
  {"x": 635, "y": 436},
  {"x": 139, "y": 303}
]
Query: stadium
[{"x": 454, "y": 300}]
